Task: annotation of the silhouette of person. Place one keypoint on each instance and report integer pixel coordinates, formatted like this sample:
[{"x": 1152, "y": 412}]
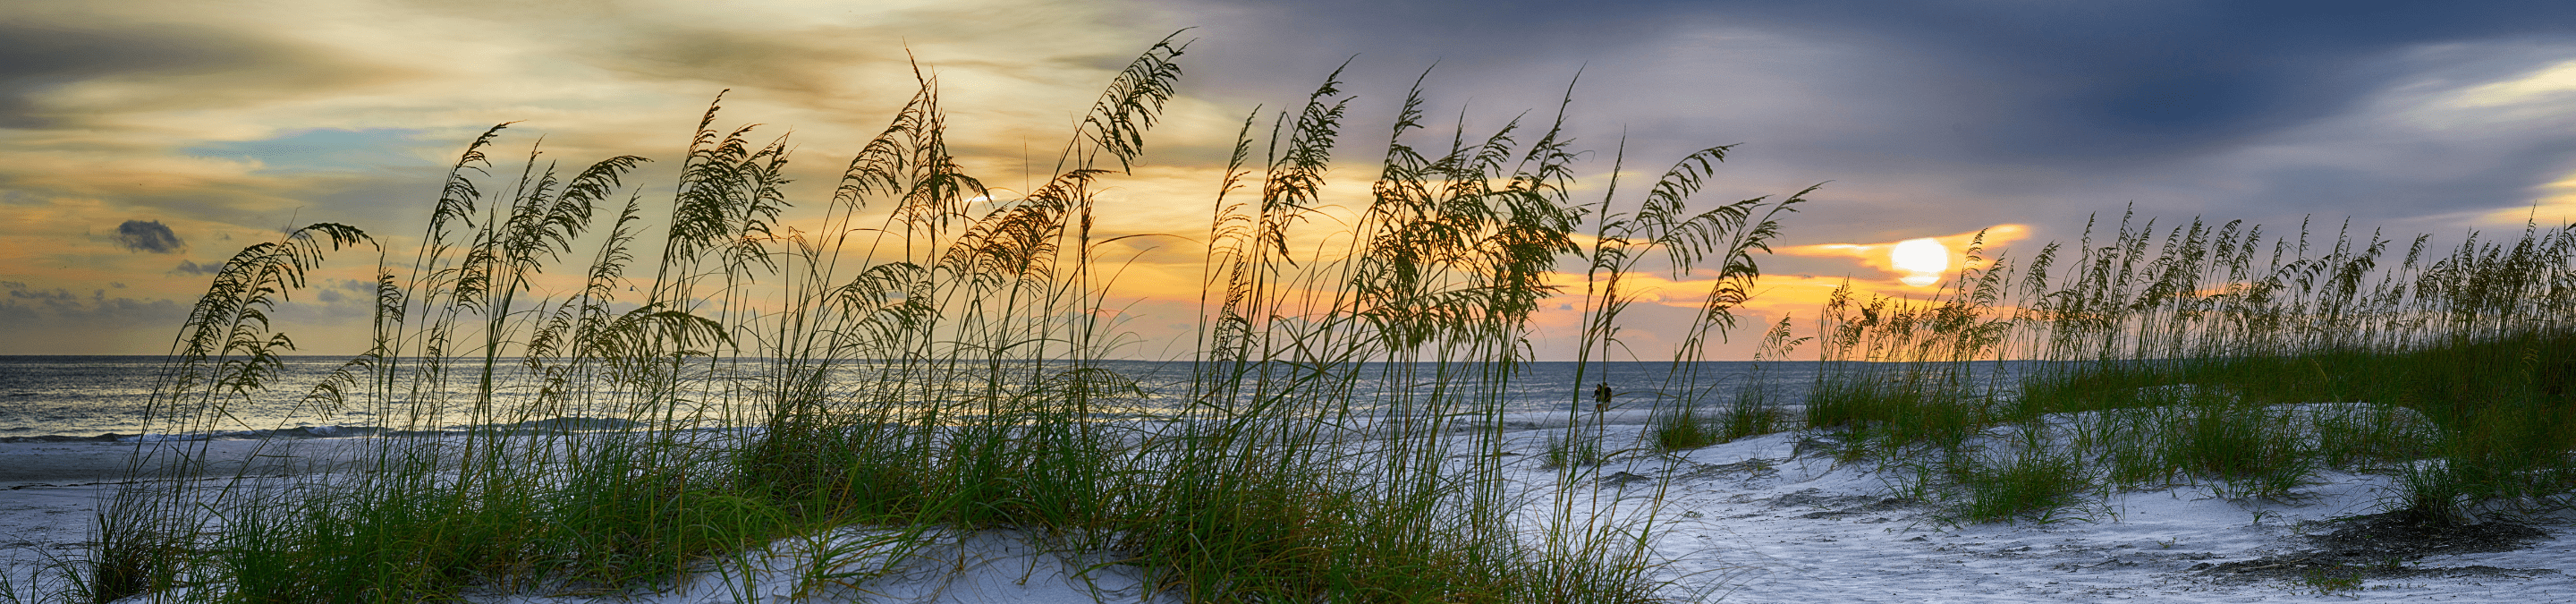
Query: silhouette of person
[{"x": 1601, "y": 398}]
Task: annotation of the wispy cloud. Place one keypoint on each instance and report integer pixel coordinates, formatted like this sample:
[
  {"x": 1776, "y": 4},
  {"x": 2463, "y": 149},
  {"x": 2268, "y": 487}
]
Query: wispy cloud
[{"x": 223, "y": 122}]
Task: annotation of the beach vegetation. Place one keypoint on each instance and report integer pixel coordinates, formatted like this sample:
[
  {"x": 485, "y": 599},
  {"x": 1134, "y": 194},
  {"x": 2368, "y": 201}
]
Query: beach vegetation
[
  {"x": 2219, "y": 355},
  {"x": 573, "y": 389}
]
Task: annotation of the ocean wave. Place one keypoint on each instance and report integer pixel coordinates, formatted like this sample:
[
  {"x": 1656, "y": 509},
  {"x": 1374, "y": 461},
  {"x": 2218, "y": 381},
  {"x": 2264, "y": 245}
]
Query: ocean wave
[{"x": 558, "y": 425}]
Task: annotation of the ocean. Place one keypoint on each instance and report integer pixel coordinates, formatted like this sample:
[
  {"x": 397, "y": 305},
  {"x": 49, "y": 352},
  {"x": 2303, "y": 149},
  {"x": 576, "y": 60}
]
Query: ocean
[{"x": 105, "y": 398}]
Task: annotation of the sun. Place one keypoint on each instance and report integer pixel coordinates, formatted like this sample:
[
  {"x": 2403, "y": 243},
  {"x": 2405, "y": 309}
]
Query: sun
[{"x": 1923, "y": 260}]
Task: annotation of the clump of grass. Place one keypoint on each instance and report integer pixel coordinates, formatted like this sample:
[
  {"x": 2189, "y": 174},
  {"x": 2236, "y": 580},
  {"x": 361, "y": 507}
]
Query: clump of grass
[
  {"x": 2330, "y": 583},
  {"x": 1748, "y": 416},
  {"x": 1681, "y": 433},
  {"x": 932, "y": 363},
  {"x": 2218, "y": 353},
  {"x": 2247, "y": 447},
  {"x": 2031, "y": 485},
  {"x": 1887, "y": 418}
]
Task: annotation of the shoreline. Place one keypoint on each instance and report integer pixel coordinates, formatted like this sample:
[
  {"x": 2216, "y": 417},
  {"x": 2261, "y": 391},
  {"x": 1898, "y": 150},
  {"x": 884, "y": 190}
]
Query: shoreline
[
  {"x": 1760, "y": 519},
  {"x": 69, "y": 464},
  {"x": 96, "y": 460}
]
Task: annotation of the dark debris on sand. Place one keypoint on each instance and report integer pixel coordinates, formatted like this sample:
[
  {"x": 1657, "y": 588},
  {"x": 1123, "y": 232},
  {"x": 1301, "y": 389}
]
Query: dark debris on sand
[{"x": 2385, "y": 546}]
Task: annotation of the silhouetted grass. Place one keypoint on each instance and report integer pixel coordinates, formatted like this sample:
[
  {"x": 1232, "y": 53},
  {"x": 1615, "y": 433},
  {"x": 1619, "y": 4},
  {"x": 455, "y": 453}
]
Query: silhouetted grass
[{"x": 928, "y": 362}]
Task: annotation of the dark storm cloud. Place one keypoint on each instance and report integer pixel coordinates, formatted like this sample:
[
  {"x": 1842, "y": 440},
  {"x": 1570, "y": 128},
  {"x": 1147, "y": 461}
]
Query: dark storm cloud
[
  {"x": 148, "y": 236},
  {"x": 2034, "y": 80},
  {"x": 2123, "y": 79},
  {"x": 1996, "y": 111},
  {"x": 2396, "y": 192}
]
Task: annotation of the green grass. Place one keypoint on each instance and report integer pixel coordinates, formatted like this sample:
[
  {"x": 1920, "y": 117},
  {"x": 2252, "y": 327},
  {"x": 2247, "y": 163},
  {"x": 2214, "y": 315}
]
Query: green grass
[
  {"x": 2331, "y": 583},
  {"x": 925, "y": 362},
  {"x": 2200, "y": 354},
  {"x": 932, "y": 364},
  {"x": 2030, "y": 485}
]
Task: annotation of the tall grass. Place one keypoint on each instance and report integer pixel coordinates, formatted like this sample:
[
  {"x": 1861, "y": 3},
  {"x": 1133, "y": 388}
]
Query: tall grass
[
  {"x": 2196, "y": 353},
  {"x": 925, "y": 361}
]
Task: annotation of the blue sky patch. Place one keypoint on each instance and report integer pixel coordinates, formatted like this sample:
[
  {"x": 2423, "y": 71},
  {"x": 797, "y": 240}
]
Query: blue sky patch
[{"x": 322, "y": 150}]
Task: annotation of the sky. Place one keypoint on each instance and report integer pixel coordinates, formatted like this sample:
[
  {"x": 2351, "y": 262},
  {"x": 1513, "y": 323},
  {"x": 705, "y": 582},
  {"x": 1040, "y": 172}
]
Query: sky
[{"x": 142, "y": 142}]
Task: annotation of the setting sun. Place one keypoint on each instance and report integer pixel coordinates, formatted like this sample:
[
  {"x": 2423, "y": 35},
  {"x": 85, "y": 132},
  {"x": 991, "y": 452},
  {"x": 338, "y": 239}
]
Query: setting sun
[{"x": 1923, "y": 260}]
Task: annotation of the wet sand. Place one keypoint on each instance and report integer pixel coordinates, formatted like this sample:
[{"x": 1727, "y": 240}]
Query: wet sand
[
  {"x": 25, "y": 465},
  {"x": 50, "y": 491}
]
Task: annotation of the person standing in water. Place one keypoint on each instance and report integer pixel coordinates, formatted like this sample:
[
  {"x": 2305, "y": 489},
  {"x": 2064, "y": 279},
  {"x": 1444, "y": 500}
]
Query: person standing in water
[{"x": 1601, "y": 398}]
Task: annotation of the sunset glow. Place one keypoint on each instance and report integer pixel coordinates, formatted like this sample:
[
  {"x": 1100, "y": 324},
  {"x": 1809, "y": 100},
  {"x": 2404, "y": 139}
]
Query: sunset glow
[
  {"x": 1923, "y": 260},
  {"x": 149, "y": 140}
]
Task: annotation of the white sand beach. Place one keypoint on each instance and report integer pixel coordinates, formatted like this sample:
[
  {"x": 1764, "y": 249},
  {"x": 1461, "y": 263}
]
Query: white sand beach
[{"x": 1764, "y": 519}]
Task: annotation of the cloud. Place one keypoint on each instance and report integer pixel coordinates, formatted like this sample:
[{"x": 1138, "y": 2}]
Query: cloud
[
  {"x": 148, "y": 236},
  {"x": 1945, "y": 116},
  {"x": 59, "y": 322},
  {"x": 240, "y": 119},
  {"x": 2097, "y": 82},
  {"x": 20, "y": 291},
  {"x": 38, "y": 60},
  {"x": 1928, "y": 117},
  {"x": 190, "y": 267},
  {"x": 70, "y": 68}
]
